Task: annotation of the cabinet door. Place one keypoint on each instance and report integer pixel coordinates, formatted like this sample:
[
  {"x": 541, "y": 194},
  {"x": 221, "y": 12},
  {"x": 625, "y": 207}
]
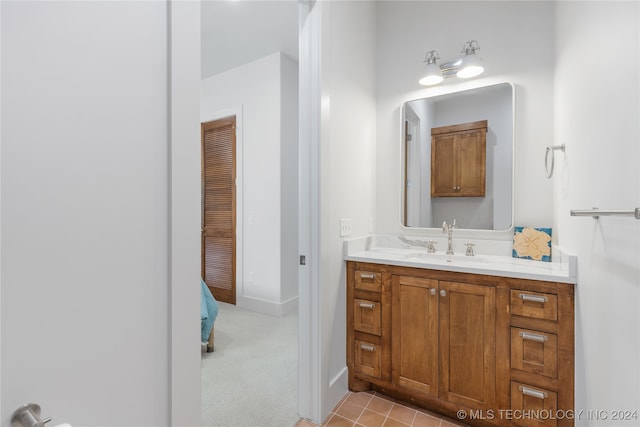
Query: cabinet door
[
  {"x": 471, "y": 150},
  {"x": 443, "y": 177},
  {"x": 458, "y": 160},
  {"x": 414, "y": 314},
  {"x": 467, "y": 344}
]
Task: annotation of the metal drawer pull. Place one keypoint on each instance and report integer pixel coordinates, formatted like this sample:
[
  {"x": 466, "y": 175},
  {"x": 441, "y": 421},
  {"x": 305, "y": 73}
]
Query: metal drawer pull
[
  {"x": 368, "y": 276},
  {"x": 443, "y": 293},
  {"x": 432, "y": 291},
  {"x": 368, "y": 347},
  {"x": 367, "y": 305},
  {"x": 533, "y": 337},
  {"x": 533, "y": 298},
  {"x": 533, "y": 393}
]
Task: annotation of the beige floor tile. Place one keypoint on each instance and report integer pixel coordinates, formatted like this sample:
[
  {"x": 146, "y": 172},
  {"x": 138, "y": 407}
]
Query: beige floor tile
[
  {"x": 350, "y": 411},
  {"x": 371, "y": 419},
  {"x": 361, "y": 399},
  {"x": 337, "y": 421},
  {"x": 390, "y": 422},
  {"x": 424, "y": 420},
  {"x": 381, "y": 406},
  {"x": 402, "y": 414},
  {"x": 382, "y": 396}
]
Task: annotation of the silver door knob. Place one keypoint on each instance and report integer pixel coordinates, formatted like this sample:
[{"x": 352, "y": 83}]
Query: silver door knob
[
  {"x": 28, "y": 416},
  {"x": 443, "y": 293}
]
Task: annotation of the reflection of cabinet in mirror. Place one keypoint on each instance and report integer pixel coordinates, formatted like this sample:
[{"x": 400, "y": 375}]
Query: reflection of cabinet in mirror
[{"x": 458, "y": 160}]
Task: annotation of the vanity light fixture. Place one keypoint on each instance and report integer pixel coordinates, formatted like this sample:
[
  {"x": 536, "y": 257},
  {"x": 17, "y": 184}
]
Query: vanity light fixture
[
  {"x": 434, "y": 74},
  {"x": 468, "y": 66}
]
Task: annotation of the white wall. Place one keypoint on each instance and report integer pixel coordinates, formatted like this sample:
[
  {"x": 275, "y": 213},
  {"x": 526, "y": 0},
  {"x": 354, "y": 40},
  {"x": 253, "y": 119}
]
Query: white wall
[
  {"x": 597, "y": 110},
  {"x": 346, "y": 159},
  {"x": 87, "y": 214},
  {"x": 263, "y": 92},
  {"x": 516, "y": 41}
]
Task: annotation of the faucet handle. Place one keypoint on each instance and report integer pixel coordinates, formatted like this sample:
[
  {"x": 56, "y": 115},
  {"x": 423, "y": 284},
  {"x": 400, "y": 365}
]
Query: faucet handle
[
  {"x": 430, "y": 246},
  {"x": 470, "y": 246}
]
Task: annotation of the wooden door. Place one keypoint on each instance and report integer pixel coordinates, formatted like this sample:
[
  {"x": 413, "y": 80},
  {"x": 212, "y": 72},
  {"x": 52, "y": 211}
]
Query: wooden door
[
  {"x": 414, "y": 314},
  {"x": 467, "y": 344},
  {"x": 218, "y": 208}
]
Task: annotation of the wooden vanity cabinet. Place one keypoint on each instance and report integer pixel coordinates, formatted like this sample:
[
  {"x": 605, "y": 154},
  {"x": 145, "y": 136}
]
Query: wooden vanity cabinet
[
  {"x": 492, "y": 346},
  {"x": 458, "y": 160}
]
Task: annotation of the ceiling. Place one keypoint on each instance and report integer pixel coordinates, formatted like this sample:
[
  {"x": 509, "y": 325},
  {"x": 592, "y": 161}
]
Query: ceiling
[{"x": 236, "y": 32}]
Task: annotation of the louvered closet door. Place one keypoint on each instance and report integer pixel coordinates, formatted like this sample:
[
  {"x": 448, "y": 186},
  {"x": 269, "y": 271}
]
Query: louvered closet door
[{"x": 218, "y": 208}]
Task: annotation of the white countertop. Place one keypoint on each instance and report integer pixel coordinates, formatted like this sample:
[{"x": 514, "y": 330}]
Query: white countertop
[{"x": 563, "y": 270}]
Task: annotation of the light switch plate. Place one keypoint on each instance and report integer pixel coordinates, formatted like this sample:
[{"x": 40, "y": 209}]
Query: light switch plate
[{"x": 346, "y": 227}]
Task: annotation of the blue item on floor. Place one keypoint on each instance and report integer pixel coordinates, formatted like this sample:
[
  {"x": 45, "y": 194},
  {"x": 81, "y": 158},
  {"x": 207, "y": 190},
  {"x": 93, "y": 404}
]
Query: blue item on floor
[{"x": 208, "y": 311}]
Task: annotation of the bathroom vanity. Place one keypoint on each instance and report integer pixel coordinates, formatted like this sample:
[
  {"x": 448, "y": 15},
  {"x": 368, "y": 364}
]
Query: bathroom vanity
[{"x": 484, "y": 340}]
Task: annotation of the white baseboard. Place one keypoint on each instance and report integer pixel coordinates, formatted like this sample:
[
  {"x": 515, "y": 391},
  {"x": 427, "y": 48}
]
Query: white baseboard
[{"x": 277, "y": 309}]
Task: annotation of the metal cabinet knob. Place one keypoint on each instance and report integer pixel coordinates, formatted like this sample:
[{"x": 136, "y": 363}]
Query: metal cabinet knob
[
  {"x": 443, "y": 293},
  {"x": 432, "y": 291}
]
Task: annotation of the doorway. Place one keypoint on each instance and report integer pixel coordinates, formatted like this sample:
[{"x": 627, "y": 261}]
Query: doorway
[{"x": 218, "y": 240}]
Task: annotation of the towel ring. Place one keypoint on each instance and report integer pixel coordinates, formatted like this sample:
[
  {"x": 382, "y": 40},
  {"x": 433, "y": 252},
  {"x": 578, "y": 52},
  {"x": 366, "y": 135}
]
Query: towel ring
[{"x": 550, "y": 149}]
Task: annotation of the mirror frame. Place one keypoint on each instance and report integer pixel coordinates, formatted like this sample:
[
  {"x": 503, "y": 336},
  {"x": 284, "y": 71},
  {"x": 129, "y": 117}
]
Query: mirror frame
[{"x": 505, "y": 234}]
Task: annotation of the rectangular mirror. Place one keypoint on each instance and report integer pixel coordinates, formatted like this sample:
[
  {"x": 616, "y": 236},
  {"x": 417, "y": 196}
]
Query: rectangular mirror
[{"x": 485, "y": 163}]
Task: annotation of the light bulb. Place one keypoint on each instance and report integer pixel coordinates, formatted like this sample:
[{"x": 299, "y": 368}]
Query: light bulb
[
  {"x": 433, "y": 76},
  {"x": 471, "y": 66}
]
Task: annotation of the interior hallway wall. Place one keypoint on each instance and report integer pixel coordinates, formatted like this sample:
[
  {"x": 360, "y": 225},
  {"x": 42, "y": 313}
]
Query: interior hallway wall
[
  {"x": 597, "y": 110},
  {"x": 264, "y": 94}
]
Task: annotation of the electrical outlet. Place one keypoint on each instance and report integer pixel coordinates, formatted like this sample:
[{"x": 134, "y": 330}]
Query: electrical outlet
[{"x": 346, "y": 227}]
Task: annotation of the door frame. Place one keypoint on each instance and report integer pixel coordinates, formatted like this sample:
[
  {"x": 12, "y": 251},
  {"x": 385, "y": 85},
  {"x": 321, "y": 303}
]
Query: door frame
[
  {"x": 183, "y": 127},
  {"x": 312, "y": 377},
  {"x": 184, "y": 82}
]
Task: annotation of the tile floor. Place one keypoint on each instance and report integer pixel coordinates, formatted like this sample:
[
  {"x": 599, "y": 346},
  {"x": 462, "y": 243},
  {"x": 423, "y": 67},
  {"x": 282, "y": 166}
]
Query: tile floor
[{"x": 372, "y": 409}]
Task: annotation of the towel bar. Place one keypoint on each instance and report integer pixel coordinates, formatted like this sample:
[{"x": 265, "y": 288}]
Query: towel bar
[{"x": 597, "y": 213}]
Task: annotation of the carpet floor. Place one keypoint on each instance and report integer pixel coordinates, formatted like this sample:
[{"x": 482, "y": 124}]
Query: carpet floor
[{"x": 251, "y": 378}]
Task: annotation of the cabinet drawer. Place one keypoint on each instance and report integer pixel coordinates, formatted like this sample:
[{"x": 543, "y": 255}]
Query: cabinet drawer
[
  {"x": 533, "y": 406},
  {"x": 368, "y": 281},
  {"x": 534, "y": 304},
  {"x": 535, "y": 352},
  {"x": 368, "y": 358},
  {"x": 367, "y": 316}
]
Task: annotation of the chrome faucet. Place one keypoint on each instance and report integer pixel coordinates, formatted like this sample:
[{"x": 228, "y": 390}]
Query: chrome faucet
[{"x": 448, "y": 228}]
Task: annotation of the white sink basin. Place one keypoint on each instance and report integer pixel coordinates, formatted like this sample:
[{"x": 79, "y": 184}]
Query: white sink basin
[{"x": 440, "y": 258}]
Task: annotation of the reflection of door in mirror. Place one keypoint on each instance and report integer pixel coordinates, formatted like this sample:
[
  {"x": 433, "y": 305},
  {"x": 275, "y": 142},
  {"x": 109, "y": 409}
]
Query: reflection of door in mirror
[
  {"x": 493, "y": 211},
  {"x": 412, "y": 172}
]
